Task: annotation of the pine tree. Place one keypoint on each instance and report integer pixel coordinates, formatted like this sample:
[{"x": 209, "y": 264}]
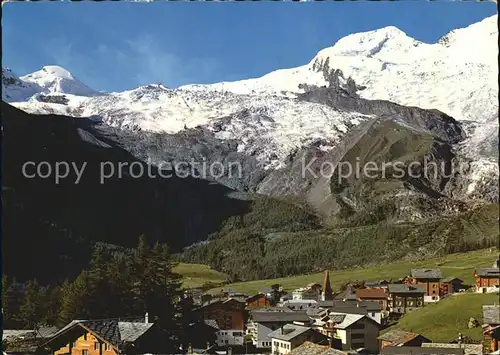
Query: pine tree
[
  {"x": 30, "y": 309},
  {"x": 10, "y": 302},
  {"x": 74, "y": 299}
]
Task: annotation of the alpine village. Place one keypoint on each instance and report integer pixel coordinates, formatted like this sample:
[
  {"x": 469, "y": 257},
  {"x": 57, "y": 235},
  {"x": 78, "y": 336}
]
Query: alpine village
[{"x": 361, "y": 318}]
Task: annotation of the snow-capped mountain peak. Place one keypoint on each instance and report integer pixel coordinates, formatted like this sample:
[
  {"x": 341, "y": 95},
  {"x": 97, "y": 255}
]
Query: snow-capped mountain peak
[{"x": 55, "y": 79}]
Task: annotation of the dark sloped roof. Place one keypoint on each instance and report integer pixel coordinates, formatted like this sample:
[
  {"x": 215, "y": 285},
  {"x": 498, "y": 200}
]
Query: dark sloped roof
[
  {"x": 113, "y": 331},
  {"x": 288, "y": 332},
  {"x": 403, "y": 288},
  {"x": 426, "y": 273},
  {"x": 491, "y": 314},
  {"x": 397, "y": 336},
  {"x": 276, "y": 316},
  {"x": 416, "y": 350}
]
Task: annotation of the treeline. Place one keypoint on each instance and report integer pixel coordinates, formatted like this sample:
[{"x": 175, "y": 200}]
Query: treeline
[
  {"x": 115, "y": 285},
  {"x": 249, "y": 253}
]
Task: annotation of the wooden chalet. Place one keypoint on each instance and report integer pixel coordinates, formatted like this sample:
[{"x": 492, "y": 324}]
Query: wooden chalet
[{"x": 106, "y": 337}]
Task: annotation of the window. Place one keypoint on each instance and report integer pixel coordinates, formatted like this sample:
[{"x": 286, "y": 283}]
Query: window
[
  {"x": 237, "y": 334},
  {"x": 85, "y": 352},
  {"x": 357, "y": 336},
  {"x": 373, "y": 314},
  {"x": 96, "y": 346},
  {"x": 73, "y": 344},
  {"x": 85, "y": 336}
]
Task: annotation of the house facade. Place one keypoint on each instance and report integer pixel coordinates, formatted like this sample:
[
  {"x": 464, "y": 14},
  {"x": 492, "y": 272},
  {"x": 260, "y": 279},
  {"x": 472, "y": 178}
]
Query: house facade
[
  {"x": 487, "y": 280},
  {"x": 229, "y": 315},
  {"x": 450, "y": 285},
  {"x": 430, "y": 280},
  {"x": 354, "y": 331},
  {"x": 291, "y": 336},
  {"x": 405, "y": 298},
  {"x": 261, "y": 323},
  {"x": 106, "y": 337},
  {"x": 258, "y": 301},
  {"x": 491, "y": 328},
  {"x": 378, "y": 295}
]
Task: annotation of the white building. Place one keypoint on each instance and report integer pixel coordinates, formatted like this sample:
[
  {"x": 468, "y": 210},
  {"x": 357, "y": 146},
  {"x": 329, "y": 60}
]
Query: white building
[{"x": 290, "y": 336}]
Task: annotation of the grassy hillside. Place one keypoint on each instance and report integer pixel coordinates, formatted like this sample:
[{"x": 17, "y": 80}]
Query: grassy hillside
[
  {"x": 251, "y": 252},
  {"x": 441, "y": 322},
  {"x": 459, "y": 265},
  {"x": 199, "y": 276}
]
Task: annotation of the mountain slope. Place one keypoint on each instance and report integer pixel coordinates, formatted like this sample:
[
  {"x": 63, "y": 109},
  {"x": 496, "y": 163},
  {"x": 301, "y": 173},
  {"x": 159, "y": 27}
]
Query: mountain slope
[{"x": 61, "y": 221}]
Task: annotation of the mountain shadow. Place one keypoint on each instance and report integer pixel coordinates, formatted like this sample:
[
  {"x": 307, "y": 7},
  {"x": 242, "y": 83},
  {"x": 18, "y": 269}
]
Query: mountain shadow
[{"x": 50, "y": 227}]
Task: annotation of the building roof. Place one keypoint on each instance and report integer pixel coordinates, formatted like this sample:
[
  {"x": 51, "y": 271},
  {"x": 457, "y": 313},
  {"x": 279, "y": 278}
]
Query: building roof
[
  {"x": 354, "y": 306},
  {"x": 469, "y": 349},
  {"x": 348, "y": 319},
  {"x": 416, "y": 350},
  {"x": 261, "y": 316},
  {"x": 309, "y": 348},
  {"x": 337, "y": 318},
  {"x": 491, "y": 314},
  {"x": 403, "y": 288},
  {"x": 397, "y": 336},
  {"x": 426, "y": 273},
  {"x": 488, "y": 272},
  {"x": 378, "y": 293},
  {"x": 212, "y": 323},
  {"x": 110, "y": 330},
  {"x": 130, "y": 332},
  {"x": 451, "y": 278},
  {"x": 288, "y": 332}
]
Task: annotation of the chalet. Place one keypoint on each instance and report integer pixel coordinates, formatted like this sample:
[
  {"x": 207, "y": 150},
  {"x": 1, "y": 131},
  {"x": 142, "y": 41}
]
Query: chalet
[
  {"x": 291, "y": 336},
  {"x": 405, "y": 298},
  {"x": 354, "y": 331},
  {"x": 430, "y": 279},
  {"x": 398, "y": 338},
  {"x": 229, "y": 314},
  {"x": 450, "y": 285},
  {"x": 258, "y": 301},
  {"x": 107, "y": 337},
  {"x": 491, "y": 328},
  {"x": 262, "y": 322},
  {"x": 487, "y": 280},
  {"x": 379, "y": 295}
]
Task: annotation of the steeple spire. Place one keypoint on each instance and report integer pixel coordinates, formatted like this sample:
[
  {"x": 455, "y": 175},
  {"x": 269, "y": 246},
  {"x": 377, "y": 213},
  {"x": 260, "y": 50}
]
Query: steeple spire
[{"x": 326, "y": 292}]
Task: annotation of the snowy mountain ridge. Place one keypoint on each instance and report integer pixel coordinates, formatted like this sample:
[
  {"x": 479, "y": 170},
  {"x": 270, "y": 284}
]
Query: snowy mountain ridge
[{"x": 266, "y": 115}]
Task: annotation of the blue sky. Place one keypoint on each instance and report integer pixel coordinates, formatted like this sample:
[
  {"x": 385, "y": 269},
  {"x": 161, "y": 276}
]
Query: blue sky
[{"x": 115, "y": 46}]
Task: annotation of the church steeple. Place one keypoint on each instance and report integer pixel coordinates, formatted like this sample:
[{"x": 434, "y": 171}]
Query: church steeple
[{"x": 326, "y": 292}]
